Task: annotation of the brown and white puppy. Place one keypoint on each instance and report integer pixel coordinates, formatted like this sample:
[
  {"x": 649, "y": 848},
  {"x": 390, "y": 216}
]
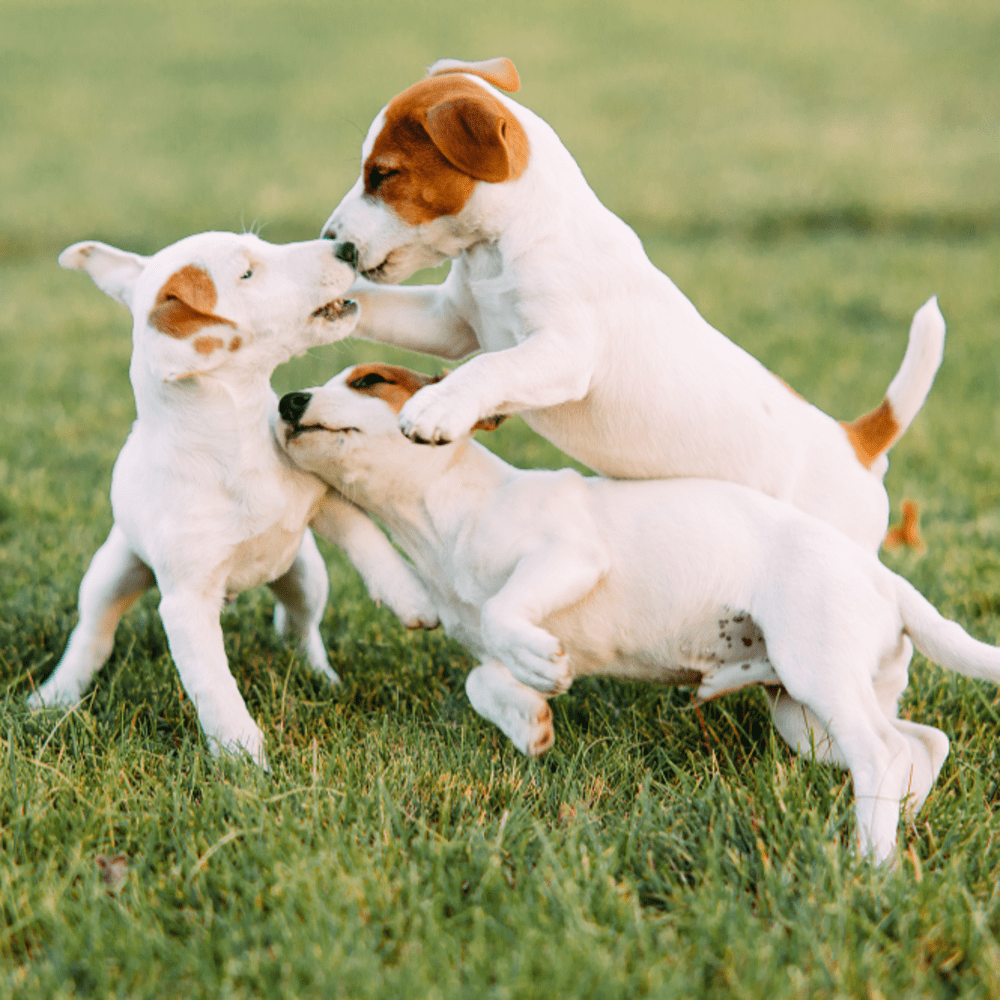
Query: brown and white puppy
[
  {"x": 205, "y": 503},
  {"x": 576, "y": 329},
  {"x": 547, "y": 576}
]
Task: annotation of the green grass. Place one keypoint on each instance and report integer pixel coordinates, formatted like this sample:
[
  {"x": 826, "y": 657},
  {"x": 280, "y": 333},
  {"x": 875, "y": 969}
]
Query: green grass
[{"x": 809, "y": 173}]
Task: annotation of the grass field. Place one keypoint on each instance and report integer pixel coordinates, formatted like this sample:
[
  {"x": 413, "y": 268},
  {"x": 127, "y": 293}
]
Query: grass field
[{"x": 809, "y": 173}]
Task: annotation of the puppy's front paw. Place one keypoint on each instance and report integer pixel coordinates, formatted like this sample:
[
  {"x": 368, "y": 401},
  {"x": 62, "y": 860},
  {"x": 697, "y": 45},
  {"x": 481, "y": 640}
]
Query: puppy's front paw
[
  {"x": 50, "y": 695},
  {"x": 535, "y": 657},
  {"x": 410, "y": 602},
  {"x": 436, "y": 416},
  {"x": 248, "y": 741}
]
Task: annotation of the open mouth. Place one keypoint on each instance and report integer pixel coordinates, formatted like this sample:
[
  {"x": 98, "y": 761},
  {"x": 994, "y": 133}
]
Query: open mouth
[
  {"x": 375, "y": 273},
  {"x": 337, "y": 309},
  {"x": 299, "y": 429}
]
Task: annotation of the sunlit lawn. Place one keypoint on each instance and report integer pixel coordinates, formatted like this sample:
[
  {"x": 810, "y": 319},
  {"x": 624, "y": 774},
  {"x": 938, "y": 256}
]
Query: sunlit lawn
[{"x": 809, "y": 174}]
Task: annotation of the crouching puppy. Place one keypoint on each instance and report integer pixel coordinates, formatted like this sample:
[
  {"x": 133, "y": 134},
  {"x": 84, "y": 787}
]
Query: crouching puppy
[
  {"x": 205, "y": 504},
  {"x": 547, "y": 576}
]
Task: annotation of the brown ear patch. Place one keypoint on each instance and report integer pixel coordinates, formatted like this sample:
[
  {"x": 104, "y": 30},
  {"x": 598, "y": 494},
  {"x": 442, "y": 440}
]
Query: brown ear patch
[
  {"x": 490, "y": 423},
  {"x": 184, "y": 304},
  {"x": 439, "y": 137},
  {"x": 389, "y": 382},
  {"x": 396, "y": 385},
  {"x": 500, "y": 72},
  {"x": 872, "y": 434}
]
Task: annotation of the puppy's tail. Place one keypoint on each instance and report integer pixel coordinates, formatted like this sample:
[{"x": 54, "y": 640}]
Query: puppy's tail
[
  {"x": 943, "y": 641},
  {"x": 873, "y": 434}
]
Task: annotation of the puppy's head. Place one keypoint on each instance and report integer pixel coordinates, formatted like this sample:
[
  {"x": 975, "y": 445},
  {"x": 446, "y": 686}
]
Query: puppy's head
[
  {"x": 217, "y": 302},
  {"x": 346, "y": 430},
  {"x": 424, "y": 156}
]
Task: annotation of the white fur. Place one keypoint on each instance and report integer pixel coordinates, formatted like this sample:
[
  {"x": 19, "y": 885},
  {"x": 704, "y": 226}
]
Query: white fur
[
  {"x": 601, "y": 353},
  {"x": 547, "y": 576},
  {"x": 599, "y": 350},
  {"x": 205, "y": 505}
]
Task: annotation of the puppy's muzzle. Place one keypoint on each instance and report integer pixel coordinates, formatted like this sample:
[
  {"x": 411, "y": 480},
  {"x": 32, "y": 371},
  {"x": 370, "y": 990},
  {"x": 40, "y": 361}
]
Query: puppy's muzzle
[{"x": 292, "y": 405}]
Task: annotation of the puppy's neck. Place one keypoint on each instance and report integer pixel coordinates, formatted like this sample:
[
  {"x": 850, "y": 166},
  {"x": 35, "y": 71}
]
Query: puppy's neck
[
  {"x": 222, "y": 423},
  {"x": 426, "y": 500}
]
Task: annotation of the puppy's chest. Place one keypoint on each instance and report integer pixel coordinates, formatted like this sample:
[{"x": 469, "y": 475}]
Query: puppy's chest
[
  {"x": 264, "y": 557},
  {"x": 489, "y": 301}
]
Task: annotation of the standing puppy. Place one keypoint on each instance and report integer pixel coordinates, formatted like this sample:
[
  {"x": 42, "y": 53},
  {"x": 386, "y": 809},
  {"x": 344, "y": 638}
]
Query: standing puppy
[
  {"x": 578, "y": 331},
  {"x": 546, "y": 576},
  {"x": 205, "y": 503}
]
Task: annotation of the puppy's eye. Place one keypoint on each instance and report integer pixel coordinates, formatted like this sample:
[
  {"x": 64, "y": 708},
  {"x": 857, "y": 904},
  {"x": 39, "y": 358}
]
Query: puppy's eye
[
  {"x": 372, "y": 378},
  {"x": 248, "y": 273},
  {"x": 377, "y": 175}
]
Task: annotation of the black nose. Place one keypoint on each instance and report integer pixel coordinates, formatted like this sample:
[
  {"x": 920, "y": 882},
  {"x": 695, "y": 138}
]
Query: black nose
[
  {"x": 292, "y": 405},
  {"x": 347, "y": 252}
]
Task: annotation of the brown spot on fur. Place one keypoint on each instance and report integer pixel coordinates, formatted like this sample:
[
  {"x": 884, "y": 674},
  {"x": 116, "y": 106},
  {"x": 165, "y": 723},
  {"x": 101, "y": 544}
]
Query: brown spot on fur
[
  {"x": 501, "y": 72},
  {"x": 235, "y": 344},
  {"x": 205, "y": 345},
  {"x": 185, "y": 302},
  {"x": 907, "y": 532},
  {"x": 439, "y": 137},
  {"x": 389, "y": 382},
  {"x": 873, "y": 433},
  {"x": 396, "y": 385}
]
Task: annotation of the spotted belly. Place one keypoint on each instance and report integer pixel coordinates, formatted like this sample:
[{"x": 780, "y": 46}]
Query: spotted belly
[{"x": 721, "y": 653}]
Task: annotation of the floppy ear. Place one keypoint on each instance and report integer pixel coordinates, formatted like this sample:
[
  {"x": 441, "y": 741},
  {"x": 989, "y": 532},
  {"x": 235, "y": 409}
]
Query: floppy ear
[
  {"x": 113, "y": 271},
  {"x": 191, "y": 339},
  {"x": 490, "y": 423},
  {"x": 501, "y": 72},
  {"x": 479, "y": 136}
]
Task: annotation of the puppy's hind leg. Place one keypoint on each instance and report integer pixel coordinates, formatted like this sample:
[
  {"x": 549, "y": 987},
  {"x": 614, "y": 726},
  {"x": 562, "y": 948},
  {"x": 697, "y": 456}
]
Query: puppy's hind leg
[
  {"x": 518, "y": 710},
  {"x": 878, "y": 756},
  {"x": 301, "y": 595},
  {"x": 113, "y": 581}
]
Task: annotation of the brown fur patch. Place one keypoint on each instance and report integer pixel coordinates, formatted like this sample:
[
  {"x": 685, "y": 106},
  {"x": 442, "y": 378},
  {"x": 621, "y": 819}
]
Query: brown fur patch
[
  {"x": 389, "y": 382},
  {"x": 500, "y": 72},
  {"x": 907, "y": 532},
  {"x": 396, "y": 385},
  {"x": 873, "y": 433},
  {"x": 439, "y": 137},
  {"x": 205, "y": 345},
  {"x": 235, "y": 344},
  {"x": 185, "y": 302}
]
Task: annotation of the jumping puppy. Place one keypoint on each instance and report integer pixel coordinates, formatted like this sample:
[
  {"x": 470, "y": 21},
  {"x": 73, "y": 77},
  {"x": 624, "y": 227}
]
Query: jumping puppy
[
  {"x": 579, "y": 332},
  {"x": 205, "y": 504},
  {"x": 547, "y": 576}
]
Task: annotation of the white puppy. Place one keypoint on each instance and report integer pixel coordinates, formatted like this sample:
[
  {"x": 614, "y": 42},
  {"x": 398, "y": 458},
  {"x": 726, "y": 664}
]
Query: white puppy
[
  {"x": 579, "y": 332},
  {"x": 546, "y": 576},
  {"x": 205, "y": 504}
]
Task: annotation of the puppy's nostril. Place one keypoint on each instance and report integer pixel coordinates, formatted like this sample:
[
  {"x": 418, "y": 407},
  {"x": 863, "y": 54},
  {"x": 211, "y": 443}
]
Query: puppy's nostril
[
  {"x": 292, "y": 405},
  {"x": 348, "y": 253},
  {"x": 328, "y": 234}
]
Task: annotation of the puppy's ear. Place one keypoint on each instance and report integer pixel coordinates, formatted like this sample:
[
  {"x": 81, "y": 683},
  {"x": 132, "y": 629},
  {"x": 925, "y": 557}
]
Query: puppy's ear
[
  {"x": 490, "y": 423},
  {"x": 113, "y": 271},
  {"x": 479, "y": 136},
  {"x": 190, "y": 338},
  {"x": 501, "y": 72}
]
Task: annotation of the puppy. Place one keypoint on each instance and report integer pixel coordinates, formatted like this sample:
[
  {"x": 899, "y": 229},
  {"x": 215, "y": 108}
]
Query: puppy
[
  {"x": 547, "y": 576},
  {"x": 578, "y": 331},
  {"x": 205, "y": 504}
]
